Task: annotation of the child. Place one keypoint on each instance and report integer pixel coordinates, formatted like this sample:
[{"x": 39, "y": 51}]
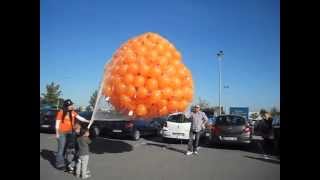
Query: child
[
  {"x": 83, "y": 152},
  {"x": 71, "y": 150}
]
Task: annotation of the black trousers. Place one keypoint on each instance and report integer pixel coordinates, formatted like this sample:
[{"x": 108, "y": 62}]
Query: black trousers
[{"x": 193, "y": 141}]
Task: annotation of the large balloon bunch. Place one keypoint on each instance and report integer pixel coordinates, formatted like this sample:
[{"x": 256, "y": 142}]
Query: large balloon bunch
[{"x": 147, "y": 78}]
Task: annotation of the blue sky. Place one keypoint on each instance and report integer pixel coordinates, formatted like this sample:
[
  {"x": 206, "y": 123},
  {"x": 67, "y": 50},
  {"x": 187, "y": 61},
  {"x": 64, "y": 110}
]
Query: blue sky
[{"x": 78, "y": 36}]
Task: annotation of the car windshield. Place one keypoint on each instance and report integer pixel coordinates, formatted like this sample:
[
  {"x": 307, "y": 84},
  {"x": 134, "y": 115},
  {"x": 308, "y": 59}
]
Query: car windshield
[
  {"x": 230, "y": 120},
  {"x": 179, "y": 118}
]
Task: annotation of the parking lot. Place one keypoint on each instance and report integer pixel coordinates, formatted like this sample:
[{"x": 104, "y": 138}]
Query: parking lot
[{"x": 151, "y": 159}]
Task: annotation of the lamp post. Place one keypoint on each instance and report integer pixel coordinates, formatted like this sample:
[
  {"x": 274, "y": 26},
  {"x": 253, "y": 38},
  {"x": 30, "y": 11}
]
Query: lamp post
[
  {"x": 220, "y": 57},
  {"x": 225, "y": 87}
]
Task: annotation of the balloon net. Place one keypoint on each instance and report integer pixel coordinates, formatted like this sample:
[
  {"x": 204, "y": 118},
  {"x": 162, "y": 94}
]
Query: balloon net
[{"x": 103, "y": 109}]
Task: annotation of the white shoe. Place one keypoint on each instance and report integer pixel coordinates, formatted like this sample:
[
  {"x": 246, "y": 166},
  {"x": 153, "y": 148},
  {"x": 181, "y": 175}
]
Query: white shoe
[
  {"x": 86, "y": 176},
  {"x": 196, "y": 152},
  {"x": 188, "y": 153}
]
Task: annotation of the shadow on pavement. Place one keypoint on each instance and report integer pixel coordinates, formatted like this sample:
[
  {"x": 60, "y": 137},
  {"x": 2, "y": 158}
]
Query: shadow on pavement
[
  {"x": 159, "y": 139},
  {"x": 49, "y": 156},
  {"x": 166, "y": 146},
  {"x": 275, "y": 161},
  {"x": 102, "y": 145},
  {"x": 256, "y": 147}
]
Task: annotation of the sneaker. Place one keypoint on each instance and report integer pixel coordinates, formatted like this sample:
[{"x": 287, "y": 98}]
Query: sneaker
[
  {"x": 86, "y": 176},
  {"x": 196, "y": 152},
  {"x": 88, "y": 172},
  {"x": 188, "y": 153},
  {"x": 77, "y": 175}
]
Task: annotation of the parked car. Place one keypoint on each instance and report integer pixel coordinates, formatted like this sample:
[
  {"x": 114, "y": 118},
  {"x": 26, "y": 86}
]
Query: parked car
[
  {"x": 48, "y": 119},
  {"x": 124, "y": 127},
  {"x": 207, "y": 132},
  {"x": 230, "y": 129},
  {"x": 276, "y": 134},
  {"x": 177, "y": 126}
]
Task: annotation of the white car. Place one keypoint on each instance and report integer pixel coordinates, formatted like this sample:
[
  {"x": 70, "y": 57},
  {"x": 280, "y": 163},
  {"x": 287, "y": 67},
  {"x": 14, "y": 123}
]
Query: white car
[{"x": 177, "y": 126}]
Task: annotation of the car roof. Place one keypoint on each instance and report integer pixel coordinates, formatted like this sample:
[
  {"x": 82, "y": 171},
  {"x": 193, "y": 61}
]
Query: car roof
[{"x": 176, "y": 113}]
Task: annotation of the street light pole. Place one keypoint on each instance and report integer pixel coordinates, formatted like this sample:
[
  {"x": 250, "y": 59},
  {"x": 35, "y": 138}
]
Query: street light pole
[{"x": 220, "y": 56}]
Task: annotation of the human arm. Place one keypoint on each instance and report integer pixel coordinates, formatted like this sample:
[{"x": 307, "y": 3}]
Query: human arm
[
  {"x": 204, "y": 118},
  {"x": 58, "y": 121},
  {"x": 57, "y": 127},
  {"x": 80, "y": 118}
]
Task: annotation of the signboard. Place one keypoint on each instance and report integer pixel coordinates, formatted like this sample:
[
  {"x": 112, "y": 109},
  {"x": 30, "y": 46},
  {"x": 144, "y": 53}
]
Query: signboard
[{"x": 240, "y": 111}]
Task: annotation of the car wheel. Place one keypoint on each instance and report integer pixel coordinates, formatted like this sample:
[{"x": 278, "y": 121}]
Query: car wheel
[{"x": 136, "y": 135}]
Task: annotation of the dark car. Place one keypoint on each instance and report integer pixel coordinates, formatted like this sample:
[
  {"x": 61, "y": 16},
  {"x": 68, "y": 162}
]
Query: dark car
[
  {"x": 231, "y": 129},
  {"x": 48, "y": 119},
  {"x": 276, "y": 134},
  {"x": 128, "y": 128}
]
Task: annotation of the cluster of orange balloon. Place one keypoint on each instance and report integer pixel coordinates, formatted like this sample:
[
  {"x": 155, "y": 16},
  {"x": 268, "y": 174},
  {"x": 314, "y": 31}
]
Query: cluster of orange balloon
[{"x": 147, "y": 77}]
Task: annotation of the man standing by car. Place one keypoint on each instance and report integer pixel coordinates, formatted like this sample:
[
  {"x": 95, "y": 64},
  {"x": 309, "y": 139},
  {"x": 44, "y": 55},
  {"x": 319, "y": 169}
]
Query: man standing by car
[{"x": 198, "y": 120}]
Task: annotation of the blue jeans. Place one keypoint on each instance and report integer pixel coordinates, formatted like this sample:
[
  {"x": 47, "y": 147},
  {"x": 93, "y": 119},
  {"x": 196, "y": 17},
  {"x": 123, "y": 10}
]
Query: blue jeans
[{"x": 60, "y": 160}]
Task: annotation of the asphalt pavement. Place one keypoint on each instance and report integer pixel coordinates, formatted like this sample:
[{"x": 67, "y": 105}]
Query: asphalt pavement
[{"x": 150, "y": 159}]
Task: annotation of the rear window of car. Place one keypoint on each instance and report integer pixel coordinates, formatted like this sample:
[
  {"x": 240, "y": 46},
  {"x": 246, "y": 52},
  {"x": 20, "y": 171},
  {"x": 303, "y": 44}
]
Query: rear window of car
[
  {"x": 230, "y": 120},
  {"x": 179, "y": 118}
]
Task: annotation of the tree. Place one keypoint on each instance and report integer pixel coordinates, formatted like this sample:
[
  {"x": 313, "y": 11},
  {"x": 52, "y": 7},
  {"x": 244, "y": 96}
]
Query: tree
[
  {"x": 254, "y": 115},
  {"x": 203, "y": 103},
  {"x": 52, "y": 95},
  {"x": 263, "y": 112},
  {"x": 93, "y": 99}
]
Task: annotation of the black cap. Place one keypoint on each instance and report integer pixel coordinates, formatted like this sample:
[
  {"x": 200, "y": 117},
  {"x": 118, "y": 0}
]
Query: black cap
[{"x": 67, "y": 103}]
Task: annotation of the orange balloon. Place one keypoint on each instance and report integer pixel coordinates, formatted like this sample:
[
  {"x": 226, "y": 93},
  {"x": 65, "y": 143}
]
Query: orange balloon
[
  {"x": 142, "y": 92},
  {"x": 141, "y": 110},
  {"x": 142, "y": 50},
  {"x": 144, "y": 69},
  {"x": 155, "y": 72},
  {"x": 133, "y": 68},
  {"x": 173, "y": 106},
  {"x": 176, "y": 54},
  {"x": 182, "y": 105},
  {"x": 129, "y": 59},
  {"x": 188, "y": 94},
  {"x": 182, "y": 73},
  {"x": 123, "y": 69},
  {"x": 116, "y": 80},
  {"x": 170, "y": 70},
  {"x": 164, "y": 81},
  {"x": 176, "y": 82},
  {"x": 121, "y": 88},
  {"x": 160, "y": 48},
  {"x": 167, "y": 54},
  {"x": 187, "y": 82},
  {"x": 131, "y": 91},
  {"x": 163, "y": 111},
  {"x": 176, "y": 63},
  {"x": 178, "y": 94},
  {"x": 139, "y": 81},
  {"x": 108, "y": 90},
  {"x": 162, "y": 102},
  {"x": 128, "y": 79},
  {"x": 167, "y": 92},
  {"x": 155, "y": 96},
  {"x": 152, "y": 84},
  {"x": 124, "y": 100},
  {"x": 162, "y": 62}
]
